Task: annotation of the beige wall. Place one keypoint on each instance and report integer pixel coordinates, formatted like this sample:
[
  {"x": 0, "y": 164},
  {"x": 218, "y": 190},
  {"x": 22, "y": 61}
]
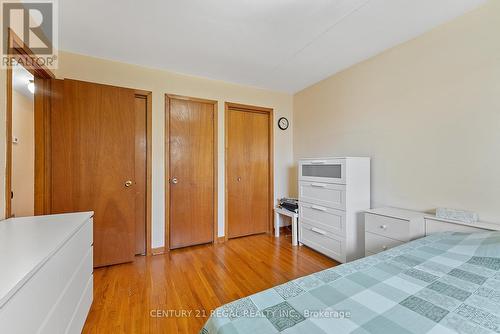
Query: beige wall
[
  {"x": 23, "y": 155},
  {"x": 427, "y": 112},
  {"x": 160, "y": 82}
]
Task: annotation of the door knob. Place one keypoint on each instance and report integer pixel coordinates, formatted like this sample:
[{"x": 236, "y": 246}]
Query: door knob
[
  {"x": 174, "y": 180},
  {"x": 239, "y": 179},
  {"x": 128, "y": 183}
]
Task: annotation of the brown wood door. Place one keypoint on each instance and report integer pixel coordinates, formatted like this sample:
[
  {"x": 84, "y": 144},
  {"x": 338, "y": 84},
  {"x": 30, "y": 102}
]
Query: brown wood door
[
  {"x": 247, "y": 172},
  {"x": 92, "y": 157},
  {"x": 191, "y": 172}
]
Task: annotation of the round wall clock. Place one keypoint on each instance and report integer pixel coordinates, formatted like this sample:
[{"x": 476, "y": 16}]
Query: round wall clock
[{"x": 283, "y": 123}]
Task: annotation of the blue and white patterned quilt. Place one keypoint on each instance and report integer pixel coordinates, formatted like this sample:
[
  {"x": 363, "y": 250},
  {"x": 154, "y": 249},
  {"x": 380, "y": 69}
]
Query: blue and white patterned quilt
[{"x": 444, "y": 283}]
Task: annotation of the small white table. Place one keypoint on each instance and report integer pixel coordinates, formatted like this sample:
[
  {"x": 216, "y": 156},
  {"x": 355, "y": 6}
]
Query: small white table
[{"x": 278, "y": 212}]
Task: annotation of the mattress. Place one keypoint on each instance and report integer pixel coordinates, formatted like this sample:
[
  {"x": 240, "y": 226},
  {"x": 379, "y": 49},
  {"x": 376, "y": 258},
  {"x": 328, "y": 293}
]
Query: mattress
[{"x": 444, "y": 283}]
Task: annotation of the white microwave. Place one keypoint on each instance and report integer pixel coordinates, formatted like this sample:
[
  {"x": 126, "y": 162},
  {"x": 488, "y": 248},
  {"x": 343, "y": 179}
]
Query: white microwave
[{"x": 322, "y": 170}]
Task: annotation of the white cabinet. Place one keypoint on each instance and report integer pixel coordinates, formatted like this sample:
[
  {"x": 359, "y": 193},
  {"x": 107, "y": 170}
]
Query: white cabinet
[
  {"x": 333, "y": 192},
  {"x": 390, "y": 227},
  {"x": 46, "y": 284}
]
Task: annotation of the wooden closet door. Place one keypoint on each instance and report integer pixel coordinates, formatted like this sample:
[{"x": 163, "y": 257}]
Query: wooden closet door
[
  {"x": 191, "y": 161},
  {"x": 247, "y": 168},
  {"x": 93, "y": 162}
]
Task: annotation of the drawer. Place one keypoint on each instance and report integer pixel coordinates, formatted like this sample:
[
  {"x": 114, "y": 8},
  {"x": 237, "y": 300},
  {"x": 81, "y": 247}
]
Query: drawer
[
  {"x": 322, "y": 241},
  {"x": 323, "y": 194},
  {"x": 82, "y": 309},
  {"x": 375, "y": 243},
  {"x": 67, "y": 304},
  {"x": 323, "y": 170},
  {"x": 393, "y": 228},
  {"x": 330, "y": 220}
]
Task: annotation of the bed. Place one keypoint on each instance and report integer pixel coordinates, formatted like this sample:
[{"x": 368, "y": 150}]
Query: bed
[{"x": 444, "y": 283}]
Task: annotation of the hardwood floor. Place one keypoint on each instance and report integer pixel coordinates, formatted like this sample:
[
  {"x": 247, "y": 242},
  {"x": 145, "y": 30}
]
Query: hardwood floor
[{"x": 175, "y": 293}]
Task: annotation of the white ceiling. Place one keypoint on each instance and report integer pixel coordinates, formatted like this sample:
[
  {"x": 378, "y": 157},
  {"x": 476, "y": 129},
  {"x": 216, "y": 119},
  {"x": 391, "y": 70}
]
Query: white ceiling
[{"x": 283, "y": 45}]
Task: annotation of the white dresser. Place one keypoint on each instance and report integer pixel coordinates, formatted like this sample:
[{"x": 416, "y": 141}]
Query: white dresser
[
  {"x": 390, "y": 227},
  {"x": 333, "y": 193},
  {"x": 46, "y": 280},
  {"x": 434, "y": 224}
]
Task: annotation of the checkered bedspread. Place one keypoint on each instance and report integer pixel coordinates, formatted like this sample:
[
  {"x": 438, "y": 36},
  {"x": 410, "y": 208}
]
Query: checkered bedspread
[{"x": 444, "y": 283}]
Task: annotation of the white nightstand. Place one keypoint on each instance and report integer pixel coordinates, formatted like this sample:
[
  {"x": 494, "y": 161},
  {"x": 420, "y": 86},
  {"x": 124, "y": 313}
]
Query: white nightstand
[
  {"x": 278, "y": 212},
  {"x": 390, "y": 227}
]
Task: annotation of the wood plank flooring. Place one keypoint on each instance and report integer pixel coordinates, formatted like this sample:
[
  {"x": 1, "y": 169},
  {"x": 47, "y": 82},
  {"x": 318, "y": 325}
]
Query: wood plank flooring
[{"x": 175, "y": 293}]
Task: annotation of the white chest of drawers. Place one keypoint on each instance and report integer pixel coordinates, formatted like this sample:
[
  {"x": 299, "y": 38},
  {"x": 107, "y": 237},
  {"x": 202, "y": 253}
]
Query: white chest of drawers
[
  {"x": 333, "y": 192},
  {"x": 390, "y": 227},
  {"x": 46, "y": 282}
]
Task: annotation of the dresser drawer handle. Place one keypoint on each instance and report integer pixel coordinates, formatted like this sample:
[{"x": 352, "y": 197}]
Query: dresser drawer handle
[
  {"x": 317, "y": 230},
  {"x": 383, "y": 227},
  {"x": 319, "y": 208},
  {"x": 318, "y": 185}
]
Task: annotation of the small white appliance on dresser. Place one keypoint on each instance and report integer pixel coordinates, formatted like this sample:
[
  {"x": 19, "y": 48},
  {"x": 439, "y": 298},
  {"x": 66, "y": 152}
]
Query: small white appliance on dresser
[
  {"x": 333, "y": 193},
  {"x": 46, "y": 281}
]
